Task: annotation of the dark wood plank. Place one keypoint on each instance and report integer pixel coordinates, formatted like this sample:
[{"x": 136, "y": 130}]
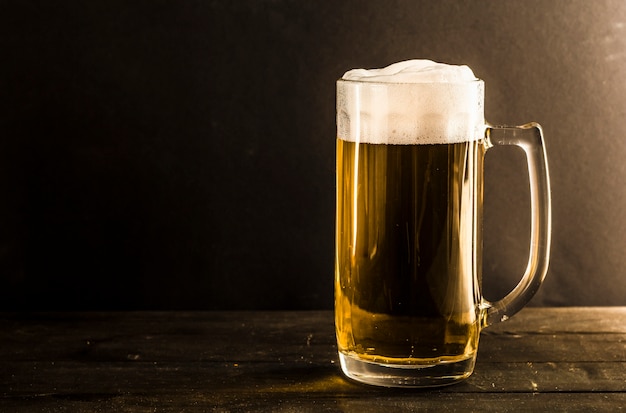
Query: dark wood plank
[
  {"x": 417, "y": 401},
  {"x": 237, "y": 336},
  {"x": 27, "y": 378},
  {"x": 584, "y": 320},
  {"x": 542, "y": 359}
]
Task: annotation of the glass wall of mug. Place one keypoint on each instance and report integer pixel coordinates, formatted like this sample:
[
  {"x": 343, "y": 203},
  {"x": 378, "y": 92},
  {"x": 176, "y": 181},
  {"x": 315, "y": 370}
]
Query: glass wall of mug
[{"x": 408, "y": 236}]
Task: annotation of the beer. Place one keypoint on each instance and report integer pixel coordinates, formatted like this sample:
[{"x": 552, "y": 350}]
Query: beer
[{"x": 408, "y": 251}]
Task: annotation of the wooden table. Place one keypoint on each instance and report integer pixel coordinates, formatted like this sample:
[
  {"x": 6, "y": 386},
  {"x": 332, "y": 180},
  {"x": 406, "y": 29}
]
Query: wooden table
[{"x": 543, "y": 359}]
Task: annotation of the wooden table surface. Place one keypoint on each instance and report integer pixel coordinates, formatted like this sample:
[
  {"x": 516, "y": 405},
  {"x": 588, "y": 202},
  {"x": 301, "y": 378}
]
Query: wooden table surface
[{"x": 543, "y": 359}]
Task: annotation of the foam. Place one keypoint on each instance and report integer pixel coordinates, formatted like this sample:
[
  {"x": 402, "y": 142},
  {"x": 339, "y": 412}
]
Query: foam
[
  {"x": 410, "y": 102},
  {"x": 413, "y": 71}
]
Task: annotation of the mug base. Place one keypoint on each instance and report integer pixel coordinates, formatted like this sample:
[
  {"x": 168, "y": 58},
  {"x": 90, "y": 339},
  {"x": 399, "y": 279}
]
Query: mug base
[{"x": 407, "y": 376}]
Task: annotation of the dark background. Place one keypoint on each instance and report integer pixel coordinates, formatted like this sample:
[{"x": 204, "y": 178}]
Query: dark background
[{"x": 180, "y": 154}]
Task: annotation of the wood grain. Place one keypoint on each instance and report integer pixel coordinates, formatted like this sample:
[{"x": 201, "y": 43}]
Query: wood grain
[{"x": 544, "y": 359}]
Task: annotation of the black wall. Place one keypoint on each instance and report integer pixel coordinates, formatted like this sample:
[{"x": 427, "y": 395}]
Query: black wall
[{"x": 180, "y": 154}]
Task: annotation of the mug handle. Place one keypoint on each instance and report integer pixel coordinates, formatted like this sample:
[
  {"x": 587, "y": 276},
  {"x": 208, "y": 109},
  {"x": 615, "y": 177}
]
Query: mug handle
[{"x": 529, "y": 137}]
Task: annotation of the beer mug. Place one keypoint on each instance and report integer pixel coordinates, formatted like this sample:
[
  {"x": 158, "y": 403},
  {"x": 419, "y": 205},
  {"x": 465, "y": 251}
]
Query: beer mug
[{"x": 411, "y": 142}]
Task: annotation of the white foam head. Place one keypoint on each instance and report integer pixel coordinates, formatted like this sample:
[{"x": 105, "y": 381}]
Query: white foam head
[{"x": 410, "y": 102}]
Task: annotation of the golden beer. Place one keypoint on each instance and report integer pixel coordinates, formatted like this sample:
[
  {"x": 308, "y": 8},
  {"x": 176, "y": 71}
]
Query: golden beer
[{"x": 408, "y": 256}]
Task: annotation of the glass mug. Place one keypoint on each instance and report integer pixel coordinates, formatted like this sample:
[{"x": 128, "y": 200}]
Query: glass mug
[{"x": 408, "y": 303}]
